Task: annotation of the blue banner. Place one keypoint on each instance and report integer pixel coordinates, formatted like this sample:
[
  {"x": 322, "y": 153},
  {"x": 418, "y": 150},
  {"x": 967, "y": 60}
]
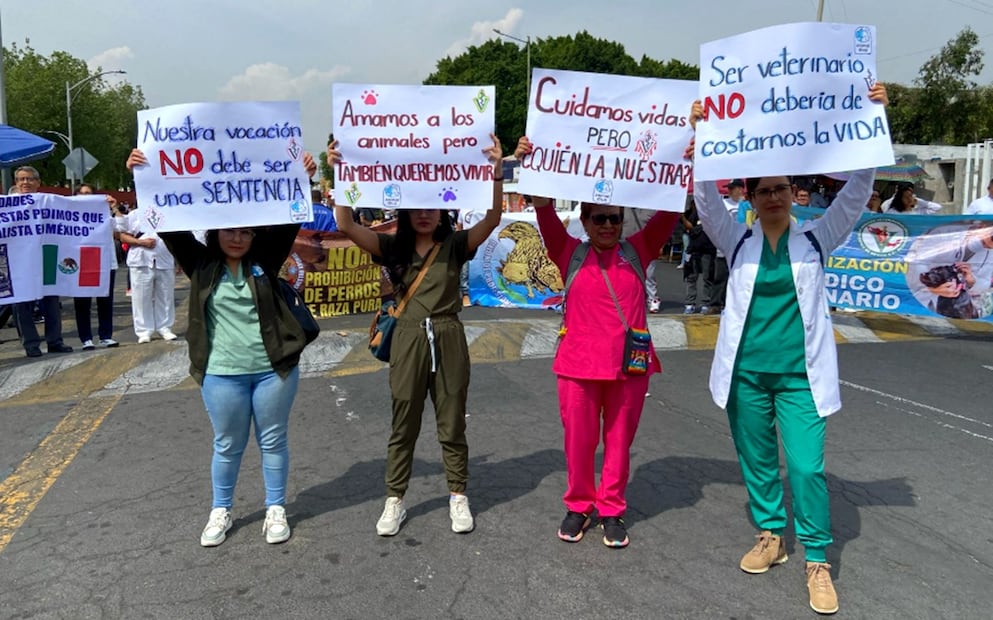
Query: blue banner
[
  {"x": 929, "y": 265},
  {"x": 512, "y": 269}
]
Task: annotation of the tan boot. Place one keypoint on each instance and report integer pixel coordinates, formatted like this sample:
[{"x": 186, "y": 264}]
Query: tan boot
[
  {"x": 823, "y": 598},
  {"x": 769, "y": 550}
]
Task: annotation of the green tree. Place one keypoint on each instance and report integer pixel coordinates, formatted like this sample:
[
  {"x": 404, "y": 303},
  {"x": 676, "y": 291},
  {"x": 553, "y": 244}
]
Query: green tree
[
  {"x": 904, "y": 115},
  {"x": 504, "y": 64},
  {"x": 949, "y": 102},
  {"x": 104, "y": 117}
]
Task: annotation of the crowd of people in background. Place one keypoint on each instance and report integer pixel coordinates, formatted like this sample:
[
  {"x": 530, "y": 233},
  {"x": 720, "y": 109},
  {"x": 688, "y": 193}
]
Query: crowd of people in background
[{"x": 150, "y": 270}]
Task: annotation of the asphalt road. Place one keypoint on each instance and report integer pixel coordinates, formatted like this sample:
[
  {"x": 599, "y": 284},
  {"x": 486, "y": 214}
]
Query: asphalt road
[{"x": 115, "y": 531}]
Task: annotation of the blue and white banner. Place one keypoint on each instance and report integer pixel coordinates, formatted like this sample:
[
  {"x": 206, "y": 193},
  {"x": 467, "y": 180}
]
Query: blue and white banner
[
  {"x": 512, "y": 269},
  {"x": 930, "y": 265}
]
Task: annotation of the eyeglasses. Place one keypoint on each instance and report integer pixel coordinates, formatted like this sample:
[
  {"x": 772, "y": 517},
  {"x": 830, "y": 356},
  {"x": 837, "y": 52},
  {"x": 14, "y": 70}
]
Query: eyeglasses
[
  {"x": 602, "y": 218},
  {"x": 767, "y": 192},
  {"x": 238, "y": 233},
  {"x": 25, "y": 179}
]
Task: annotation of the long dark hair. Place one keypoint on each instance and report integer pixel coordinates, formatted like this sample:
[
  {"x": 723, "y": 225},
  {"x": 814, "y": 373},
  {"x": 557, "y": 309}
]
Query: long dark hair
[
  {"x": 897, "y": 202},
  {"x": 402, "y": 254}
]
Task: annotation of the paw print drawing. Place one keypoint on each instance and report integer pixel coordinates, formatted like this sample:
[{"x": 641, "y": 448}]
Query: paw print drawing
[
  {"x": 370, "y": 97},
  {"x": 448, "y": 195}
]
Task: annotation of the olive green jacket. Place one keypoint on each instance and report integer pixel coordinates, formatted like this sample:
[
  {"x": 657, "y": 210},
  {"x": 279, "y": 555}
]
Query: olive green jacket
[{"x": 281, "y": 333}]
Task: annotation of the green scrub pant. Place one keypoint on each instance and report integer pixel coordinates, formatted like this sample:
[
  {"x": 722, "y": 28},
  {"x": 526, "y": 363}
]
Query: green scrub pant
[
  {"x": 411, "y": 380},
  {"x": 759, "y": 403}
]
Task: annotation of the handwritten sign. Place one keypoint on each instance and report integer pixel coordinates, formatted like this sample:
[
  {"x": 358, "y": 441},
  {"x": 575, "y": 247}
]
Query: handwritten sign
[
  {"x": 790, "y": 99},
  {"x": 53, "y": 245},
  {"x": 413, "y": 147},
  {"x": 608, "y": 139},
  {"x": 217, "y": 165}
]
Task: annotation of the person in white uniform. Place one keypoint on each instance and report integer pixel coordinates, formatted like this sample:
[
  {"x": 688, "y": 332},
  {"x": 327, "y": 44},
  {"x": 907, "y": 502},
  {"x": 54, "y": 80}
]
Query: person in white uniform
[
  {"x": 982, "y": 205},
  {"x": 153, "y": 277}
]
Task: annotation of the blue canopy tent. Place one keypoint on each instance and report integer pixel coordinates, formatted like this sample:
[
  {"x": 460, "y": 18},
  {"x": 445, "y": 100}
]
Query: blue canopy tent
[{"x": 19, "y": 147}]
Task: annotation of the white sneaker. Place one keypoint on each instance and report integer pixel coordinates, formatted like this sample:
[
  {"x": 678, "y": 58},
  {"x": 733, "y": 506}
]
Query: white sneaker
[
  {"x": 458, "y": 510},
  {"x": 88, "y": 345},
  {"x": 275, "y": 527},
  {"x": 110, "y": 343},
  {"x": 217, "y": 527},
  {"x": 393, "y": 515},
  {"x": 654, "y": 305},
  {"x": 167, "y": 334},
  {"x": 145, "y": 339}
]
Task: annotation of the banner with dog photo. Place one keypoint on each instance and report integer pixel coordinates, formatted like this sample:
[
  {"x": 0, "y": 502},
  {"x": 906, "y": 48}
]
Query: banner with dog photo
[
  {"x": 512, "y": 269},
  {"x": 928, "y": 265}
]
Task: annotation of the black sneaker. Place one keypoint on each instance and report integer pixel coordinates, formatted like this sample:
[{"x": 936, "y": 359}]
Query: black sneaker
[
  {"x": 573, "y": 526},
  {"x": 614, "y": 533}
]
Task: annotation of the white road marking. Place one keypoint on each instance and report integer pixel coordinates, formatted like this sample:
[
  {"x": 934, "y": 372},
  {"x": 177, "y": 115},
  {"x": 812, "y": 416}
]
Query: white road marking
[
  {"x": 927, "y": 408},
  {"x": 15, "y": 380},
  {"x": 667, "y": 333},
  {"x": 541, "y": 340},
  {"x": 853, "y": 329},
  {"x": 935, "y": 325}
]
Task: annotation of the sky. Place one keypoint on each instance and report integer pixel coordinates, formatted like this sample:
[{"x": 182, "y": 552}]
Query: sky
[{"x": 187, "y": 51}]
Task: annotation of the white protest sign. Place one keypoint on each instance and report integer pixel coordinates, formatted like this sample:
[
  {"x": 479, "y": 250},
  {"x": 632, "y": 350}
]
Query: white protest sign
[
  {"x": 220, "y": 165},
  {"x": 608, "y": 139},
  {"x": 790, "y": 99},
  {"x": 413, "y": 147},
  {"x": 53, "y": 245}
]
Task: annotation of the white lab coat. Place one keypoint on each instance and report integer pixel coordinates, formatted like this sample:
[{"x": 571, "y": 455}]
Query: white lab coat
[{"x": 831, "y": 230}]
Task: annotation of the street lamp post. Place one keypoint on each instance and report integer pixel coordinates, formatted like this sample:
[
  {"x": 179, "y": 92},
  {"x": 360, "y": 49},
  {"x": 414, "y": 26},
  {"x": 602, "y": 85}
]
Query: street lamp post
[
  {"x": 527, "y": 47},
  {"x": 58, "y": 134},
  {"x": 69, "y": 93}
]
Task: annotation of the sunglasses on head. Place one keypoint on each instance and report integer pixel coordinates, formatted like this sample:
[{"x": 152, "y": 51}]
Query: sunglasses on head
[{"x": 602, "y": 218}]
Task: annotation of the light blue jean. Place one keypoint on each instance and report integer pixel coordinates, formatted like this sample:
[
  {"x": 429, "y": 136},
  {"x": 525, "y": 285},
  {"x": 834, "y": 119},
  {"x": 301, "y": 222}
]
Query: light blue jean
[{"x": 233, "y": 403}]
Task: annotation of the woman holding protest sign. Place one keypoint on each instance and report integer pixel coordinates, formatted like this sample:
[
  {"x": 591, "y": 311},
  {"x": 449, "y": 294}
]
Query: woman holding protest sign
[
  {"x": 775, "y": 363},
  {"x": 244, "y": 347},
  {"x": 604, "y": 357},
  {"x": 429, "y": 354}
]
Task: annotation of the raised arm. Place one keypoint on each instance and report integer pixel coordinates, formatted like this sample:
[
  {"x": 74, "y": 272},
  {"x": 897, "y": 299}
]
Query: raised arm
[
  {"x": 278, "y": 245},
  {"x": 657, "y": 231},
  {"x": 716, "y": 220},
  {"x": 482, "y": 229},
  {"x": 359, "y": 234},
  {"x": 553, "y": 233},
  {"x": 184, "y": 248}
]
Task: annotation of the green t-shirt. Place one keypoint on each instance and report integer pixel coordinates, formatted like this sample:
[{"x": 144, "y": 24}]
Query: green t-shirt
[
  {"x": 772, "y": 340},
  {"x": 236, "y": 346},
  {"x": 438, "y": 292}
]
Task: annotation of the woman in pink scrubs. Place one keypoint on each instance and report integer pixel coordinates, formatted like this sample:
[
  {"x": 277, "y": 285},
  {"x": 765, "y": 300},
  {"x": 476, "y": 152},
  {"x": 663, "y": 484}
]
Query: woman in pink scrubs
[{"x": 592, "y": 386}]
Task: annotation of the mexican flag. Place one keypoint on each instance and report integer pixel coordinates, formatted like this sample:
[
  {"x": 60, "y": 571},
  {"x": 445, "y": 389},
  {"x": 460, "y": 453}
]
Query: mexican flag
[
  {"x": 85, "y": 266},
  {"x": 55, "y": 245}
]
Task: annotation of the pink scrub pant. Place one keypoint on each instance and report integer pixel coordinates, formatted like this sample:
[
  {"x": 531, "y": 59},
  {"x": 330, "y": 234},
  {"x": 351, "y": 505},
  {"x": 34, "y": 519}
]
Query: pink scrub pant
[{"x": 582, "y": 403}]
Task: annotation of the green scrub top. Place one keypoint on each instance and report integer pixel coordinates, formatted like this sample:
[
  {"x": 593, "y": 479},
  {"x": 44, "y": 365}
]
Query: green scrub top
[
  {"x": 236, "y": 346},
  {"x": 772, "y": 340}
]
